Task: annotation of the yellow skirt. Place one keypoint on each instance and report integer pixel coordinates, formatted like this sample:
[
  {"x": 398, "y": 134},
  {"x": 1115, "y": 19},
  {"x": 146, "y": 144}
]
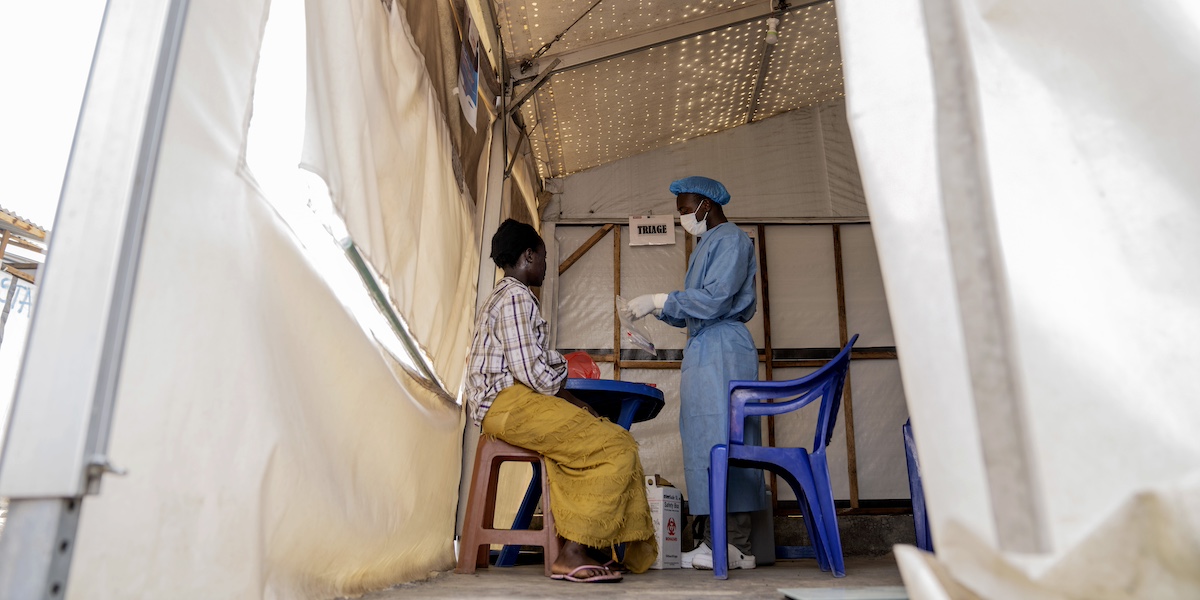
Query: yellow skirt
[{"x": 597, "y": 491}]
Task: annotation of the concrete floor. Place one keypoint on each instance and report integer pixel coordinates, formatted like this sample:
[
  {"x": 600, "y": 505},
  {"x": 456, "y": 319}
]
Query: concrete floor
[{"x": 763, "y": 582}]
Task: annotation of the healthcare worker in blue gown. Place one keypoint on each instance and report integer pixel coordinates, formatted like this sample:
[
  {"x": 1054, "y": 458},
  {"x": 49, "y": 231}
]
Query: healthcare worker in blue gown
[{"x": 715, "y": 304}]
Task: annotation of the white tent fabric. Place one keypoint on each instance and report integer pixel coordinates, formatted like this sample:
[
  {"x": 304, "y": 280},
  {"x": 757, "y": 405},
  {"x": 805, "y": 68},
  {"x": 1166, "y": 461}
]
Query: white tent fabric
[
  {"x": 796, "y": 165},
  {"x": 273, "y": 452},
  {"x": 1090, "y": 138},
  {"x": 377, "y": 135}
]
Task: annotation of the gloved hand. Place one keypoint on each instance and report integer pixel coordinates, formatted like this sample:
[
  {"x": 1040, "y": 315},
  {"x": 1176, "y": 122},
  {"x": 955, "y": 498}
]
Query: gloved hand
[{"x": 646, "y": 304}]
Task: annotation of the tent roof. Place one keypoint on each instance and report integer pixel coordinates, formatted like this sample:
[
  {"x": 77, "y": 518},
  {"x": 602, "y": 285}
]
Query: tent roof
[
  {"x": 17, "y": 225},
  {"x": 635, "y": 75}
]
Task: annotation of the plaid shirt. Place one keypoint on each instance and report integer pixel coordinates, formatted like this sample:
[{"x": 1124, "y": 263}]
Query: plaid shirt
[{"x": 510, "y": 346}]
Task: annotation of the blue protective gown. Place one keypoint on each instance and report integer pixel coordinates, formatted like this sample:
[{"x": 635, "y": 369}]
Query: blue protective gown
[{"x": 717, "y": 300}]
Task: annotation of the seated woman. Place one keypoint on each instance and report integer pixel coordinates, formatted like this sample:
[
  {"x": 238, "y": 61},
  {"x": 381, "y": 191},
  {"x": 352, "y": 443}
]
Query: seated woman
[{"x": 515, "y": 393}]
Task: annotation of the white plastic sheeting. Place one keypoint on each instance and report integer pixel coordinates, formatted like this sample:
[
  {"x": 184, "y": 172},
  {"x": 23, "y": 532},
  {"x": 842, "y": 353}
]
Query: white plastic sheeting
[
  {"x": 796, "y": 165},
  {"x": 652, "y": 270},
  {"x": 1090, "y": 138},
  {"x": 585, "y": 291},
  {"x": 803, "y": 287},
  {"x": 273, "y": 452},
  {"x": 377, "y": 135},
  {"x": 866, "y": 303},
  {"x": 658, "y": 439},
  {"x": 796, "y": 429},
  {"x": 879, "y": 413}
]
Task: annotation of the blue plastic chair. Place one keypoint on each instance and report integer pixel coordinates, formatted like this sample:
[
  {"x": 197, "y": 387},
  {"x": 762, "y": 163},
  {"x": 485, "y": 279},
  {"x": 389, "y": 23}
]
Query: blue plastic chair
[
  {"x": 807, "y": 473},
  {"x": 916, "y": 491}
]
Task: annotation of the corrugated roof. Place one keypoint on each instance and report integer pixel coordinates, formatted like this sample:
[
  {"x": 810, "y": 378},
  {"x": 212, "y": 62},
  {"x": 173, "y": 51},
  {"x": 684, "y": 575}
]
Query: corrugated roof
[{"x": 21, "y": 226}]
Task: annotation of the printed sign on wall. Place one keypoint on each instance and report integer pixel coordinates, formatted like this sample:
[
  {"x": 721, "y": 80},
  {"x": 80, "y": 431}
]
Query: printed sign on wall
[
  {"x": 468, "y": 73},
  {"x": 656, "y": 230}
]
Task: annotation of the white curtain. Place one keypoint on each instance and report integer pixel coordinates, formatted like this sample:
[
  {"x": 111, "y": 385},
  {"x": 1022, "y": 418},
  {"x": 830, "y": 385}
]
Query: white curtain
[
  {"x": 1091, "y": 139},
  {"x": 378, "y": 137},
  {"x": 273, "y": 450}
]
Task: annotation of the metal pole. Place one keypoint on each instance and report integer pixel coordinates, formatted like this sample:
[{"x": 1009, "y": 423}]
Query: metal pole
[
  {"x": 489, "y": 221},
  {"x": 56, "y": 449}
]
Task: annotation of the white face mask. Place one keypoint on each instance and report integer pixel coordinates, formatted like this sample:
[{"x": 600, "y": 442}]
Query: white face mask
[{"x": 693, "y": 225}]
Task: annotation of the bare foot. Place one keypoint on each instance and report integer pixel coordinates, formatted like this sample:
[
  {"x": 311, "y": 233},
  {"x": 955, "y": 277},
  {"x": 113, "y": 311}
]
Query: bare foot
[{"x": 574, "y": 555}]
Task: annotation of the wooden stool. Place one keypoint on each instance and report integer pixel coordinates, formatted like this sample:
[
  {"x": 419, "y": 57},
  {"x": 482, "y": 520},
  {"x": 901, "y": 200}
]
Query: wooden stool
[{"x": 478, "y": 531}]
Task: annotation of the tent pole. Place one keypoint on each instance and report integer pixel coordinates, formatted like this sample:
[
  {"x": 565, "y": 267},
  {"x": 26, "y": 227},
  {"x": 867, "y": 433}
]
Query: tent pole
[
  {"x": 97, "y": 247},
  {"x": 616, "y": 292},
  {"x": 847, "y": 396},
  {"x": 764, "y": 303},
  {"x": 493, "y": 198}
]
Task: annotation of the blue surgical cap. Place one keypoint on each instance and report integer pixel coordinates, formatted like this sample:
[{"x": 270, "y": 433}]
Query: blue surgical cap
[{"x": 709, "y": 188}]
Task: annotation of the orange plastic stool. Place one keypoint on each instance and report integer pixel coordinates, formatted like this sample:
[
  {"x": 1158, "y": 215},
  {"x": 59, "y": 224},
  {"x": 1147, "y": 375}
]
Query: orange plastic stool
[{"x": 478, "y": 532}]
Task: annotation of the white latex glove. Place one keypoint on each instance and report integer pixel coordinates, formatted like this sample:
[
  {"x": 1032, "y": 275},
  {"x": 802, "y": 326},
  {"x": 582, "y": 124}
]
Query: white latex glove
[{"x": 646, "y": 304}]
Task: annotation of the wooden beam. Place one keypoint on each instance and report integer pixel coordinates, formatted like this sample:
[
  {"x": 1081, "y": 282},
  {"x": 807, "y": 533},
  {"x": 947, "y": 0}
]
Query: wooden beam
[
  {"x": 843, "y": 334},
  {"x": 616, "y": 292},
  {"x": 898, "y": 510},
  {"x": 807, "y": 221},
  {"x": 579, "y": 252},
  {"x": 775, "y": 364},
  {"x": 800, "y": 364},
  {"x": 651, "y": 364},
  {"x": 765, "y": 303},
  {"x": 22, "y": 225},
  {"x": 4, "y": 243},
  {"x": 19, "y": 274},
  {"x": 19, "y": 242}
]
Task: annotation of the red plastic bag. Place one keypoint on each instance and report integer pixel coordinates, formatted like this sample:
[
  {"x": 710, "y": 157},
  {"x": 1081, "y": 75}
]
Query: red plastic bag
[{"x": 581, "y": 366}]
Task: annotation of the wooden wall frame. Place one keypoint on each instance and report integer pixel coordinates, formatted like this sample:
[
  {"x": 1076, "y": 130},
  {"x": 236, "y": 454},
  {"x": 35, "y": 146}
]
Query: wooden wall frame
[{"x": 768, "y": 356}]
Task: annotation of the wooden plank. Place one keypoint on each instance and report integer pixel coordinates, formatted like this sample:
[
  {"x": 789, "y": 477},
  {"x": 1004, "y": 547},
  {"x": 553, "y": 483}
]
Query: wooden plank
[
  {"x": 579, "y": 252},
  {"x": 616, "y": 292},
  {"x": 847, "y": 399},
  {"x": 802, "y": 221},
  {"x": 19, "y": 274},
  {"x": 791, "y": 511},
  {"x": 765, "y": 303},
  {"x": 651, "y": 364},
  {"x": 22, "y": 225},
  {"x": 795, "y": 364},
  {"x": 4, "y": 243},
  {"x": 19, "y": 242}
]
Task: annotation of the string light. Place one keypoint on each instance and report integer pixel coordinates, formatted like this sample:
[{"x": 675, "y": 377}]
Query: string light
[{"x": 669, "y": 94}]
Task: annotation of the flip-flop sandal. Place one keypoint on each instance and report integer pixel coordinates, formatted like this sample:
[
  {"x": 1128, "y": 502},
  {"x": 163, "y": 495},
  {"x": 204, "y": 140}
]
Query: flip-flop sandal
[
  {"x": 615, "y": 567},
  {"x": 607, "y": 575}
]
